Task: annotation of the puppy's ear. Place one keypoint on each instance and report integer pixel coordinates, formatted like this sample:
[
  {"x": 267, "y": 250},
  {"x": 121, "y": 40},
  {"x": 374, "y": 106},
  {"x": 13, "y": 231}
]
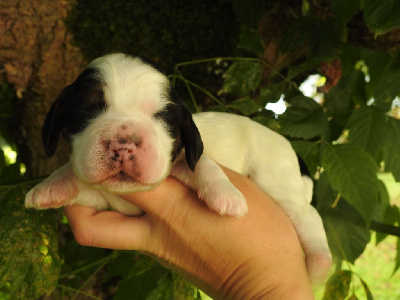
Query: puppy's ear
[
  {"x": 53, "y": 125},
  {"x": 191, "y": 139}
]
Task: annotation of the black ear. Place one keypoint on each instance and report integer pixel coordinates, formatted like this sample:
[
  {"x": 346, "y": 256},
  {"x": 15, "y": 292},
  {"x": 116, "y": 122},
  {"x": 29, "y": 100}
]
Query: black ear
[
  {"x": 52, "y": 126},
  {"x": 191, "y": 139}
]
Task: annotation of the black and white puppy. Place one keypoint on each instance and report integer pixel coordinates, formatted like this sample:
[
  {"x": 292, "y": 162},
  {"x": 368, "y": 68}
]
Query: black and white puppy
[{"x": 129, "y": 131}]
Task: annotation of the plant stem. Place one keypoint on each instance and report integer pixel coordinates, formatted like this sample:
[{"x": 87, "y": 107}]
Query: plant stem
[
  {"x": 336, "y": 202},
  {"x": 88, "y": 280},
  {"x": 186, "y": 81},
  {"x": 103, "y": 260},
  {"x": 64, "y": 287}
]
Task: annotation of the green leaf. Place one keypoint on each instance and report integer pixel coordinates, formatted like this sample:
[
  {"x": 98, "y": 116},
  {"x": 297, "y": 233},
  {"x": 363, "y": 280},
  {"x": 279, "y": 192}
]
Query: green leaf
[
  {"x": 248, "y": 14},
  {"x": 144, "y": 285},
  {"x": 29, "y": 261},
  {"x": 345, "y": 9},
  {"x": 2, "y": 161},
  {"x": 164, "y": 289},
  {"x": 323, "y": 36},
  {"x": 309, "y": 152},
  {"x": 245, "y": 106},
  {"x": 391, "y": 152},
  {"x": 352, "y": 172},
  {"x": 142, "y": 266},
  {"x": 346, "y": 240},
  {"x": 378, "y": 63},
  {"x": 366, "y": 289},
  {"x": 242, "y": 77},
  {"x": 307, "y": 66},
  {"x": 304, "y": 118},
  {"x": 343, "y": 224},
  {"x": 272, "y": 93},
  {"x": 338, "y": 285},
  {"x": 391, "y": 217},
  {"x": 367, "y": 129},
  {"x": 381, "y": 16},
  {"x": 10, "y": 173},
  {"x": 182, "y": 288},
  {"x": 122, "y": 265},
  {"x": 337, "y": 101},
  {"x": 251, "y": 41},
  {"x": 387, "y": 89}
]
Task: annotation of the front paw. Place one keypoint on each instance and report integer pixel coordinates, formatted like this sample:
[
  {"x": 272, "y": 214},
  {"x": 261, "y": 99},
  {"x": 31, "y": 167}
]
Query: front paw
[
  {"x": 224, "y": 198},
  {"x": 52, "y": 193}
]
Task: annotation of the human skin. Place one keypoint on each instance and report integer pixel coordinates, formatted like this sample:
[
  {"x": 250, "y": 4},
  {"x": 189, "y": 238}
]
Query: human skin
[{"x": 257, "y": 256}]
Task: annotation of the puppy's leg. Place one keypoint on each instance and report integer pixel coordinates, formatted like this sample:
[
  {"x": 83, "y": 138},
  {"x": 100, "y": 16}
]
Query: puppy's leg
[
  {"x": 310, "y": 230},
  {"x": 212, "y": 186},
  {"x": 59, "y": 189},
  {"x": 63, "y": 188},
  {"x": 295, "y": 200}
]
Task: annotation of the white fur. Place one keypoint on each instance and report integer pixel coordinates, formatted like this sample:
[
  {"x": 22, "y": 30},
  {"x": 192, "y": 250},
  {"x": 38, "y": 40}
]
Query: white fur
[{"x": 134, "y": 92}]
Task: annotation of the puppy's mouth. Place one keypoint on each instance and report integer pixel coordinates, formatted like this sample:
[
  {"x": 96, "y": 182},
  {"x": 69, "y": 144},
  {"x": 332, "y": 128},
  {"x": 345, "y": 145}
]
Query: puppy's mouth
[
  {"x": 121, "y": 176},
  {"x": 122, "y": 182}
]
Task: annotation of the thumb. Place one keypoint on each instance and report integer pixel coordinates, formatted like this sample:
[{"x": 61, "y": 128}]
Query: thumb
[{"x": 169, "y": 195}]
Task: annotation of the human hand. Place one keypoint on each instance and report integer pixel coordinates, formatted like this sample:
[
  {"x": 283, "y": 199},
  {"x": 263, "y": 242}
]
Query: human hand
[{"x": 257, "y": 256}]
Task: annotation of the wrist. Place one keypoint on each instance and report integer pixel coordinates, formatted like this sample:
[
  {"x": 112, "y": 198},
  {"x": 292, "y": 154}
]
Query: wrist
[{"x": 268, "y": 278}]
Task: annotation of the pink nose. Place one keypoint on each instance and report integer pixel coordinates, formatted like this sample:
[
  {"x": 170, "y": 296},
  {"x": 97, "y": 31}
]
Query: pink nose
[{"x": 122, "y": 150}]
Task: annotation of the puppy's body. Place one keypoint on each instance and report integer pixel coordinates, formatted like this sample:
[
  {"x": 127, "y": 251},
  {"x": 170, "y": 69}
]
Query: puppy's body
[{"x": 129, "y": 131}]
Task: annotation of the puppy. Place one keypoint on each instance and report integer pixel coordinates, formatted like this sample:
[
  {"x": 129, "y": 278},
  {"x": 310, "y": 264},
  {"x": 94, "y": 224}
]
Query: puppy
[{"x": 129, "y": 130}]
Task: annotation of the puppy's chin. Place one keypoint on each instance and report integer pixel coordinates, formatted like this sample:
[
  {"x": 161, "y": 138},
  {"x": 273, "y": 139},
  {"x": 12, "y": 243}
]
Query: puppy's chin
[{"x": 123, "y": 184}]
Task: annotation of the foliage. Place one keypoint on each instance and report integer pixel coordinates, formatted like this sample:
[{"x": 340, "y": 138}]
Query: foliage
[
  {"x": 156, "y": 29},
  {"x": 346, "y": 138}
]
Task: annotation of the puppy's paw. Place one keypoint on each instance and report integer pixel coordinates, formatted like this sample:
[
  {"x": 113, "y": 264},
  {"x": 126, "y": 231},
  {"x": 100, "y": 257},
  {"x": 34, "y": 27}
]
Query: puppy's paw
[
  {"x": 224, "y": 198},
  {"x": 318, "y": 266},
  {"x": 53, "y": 192}
]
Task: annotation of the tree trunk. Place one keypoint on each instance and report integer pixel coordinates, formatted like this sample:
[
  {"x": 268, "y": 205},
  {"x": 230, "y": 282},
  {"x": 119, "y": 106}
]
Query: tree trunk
[{"x": 37, "y": 57}]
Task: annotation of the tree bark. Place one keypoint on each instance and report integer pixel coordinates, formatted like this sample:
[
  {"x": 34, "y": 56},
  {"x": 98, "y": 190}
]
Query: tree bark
[{"x": 39, "y": 60}]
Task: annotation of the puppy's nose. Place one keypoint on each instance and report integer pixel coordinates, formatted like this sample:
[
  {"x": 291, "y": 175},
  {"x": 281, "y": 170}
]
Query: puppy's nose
[{"x": 122, "y": 149}]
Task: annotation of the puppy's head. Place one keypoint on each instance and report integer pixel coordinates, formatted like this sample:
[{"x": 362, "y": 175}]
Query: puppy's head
[{"x": 125, "y": 123}]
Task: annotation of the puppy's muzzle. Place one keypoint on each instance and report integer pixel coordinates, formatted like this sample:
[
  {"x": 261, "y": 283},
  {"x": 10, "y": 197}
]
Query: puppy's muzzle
[{"x": 122, "y": 150}]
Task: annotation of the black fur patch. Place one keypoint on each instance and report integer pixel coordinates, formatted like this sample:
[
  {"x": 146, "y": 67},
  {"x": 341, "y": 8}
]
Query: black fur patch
[
  {"x": 182, "y": 129},
  {"x": 85, "y": 101},
  {"x": 77, "y": 104}
]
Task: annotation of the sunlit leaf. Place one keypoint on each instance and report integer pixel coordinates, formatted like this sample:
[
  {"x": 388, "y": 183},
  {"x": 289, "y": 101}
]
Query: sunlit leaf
[
  {"x": 242, "y": 77},
  {"x": 367, "y": 290},
  {"x": 164, "y": 290},
  {"x": 142, "y": 265},
  {"x": 182, "y": 288},
  {"x": 352, "y": 172},
  {"x": 29, "y": 261},
  {"x": 338, "y": 286}
]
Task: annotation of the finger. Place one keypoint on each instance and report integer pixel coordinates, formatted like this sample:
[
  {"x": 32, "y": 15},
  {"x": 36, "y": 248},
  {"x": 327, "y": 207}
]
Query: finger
[{"x": 107, "y": 229}]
